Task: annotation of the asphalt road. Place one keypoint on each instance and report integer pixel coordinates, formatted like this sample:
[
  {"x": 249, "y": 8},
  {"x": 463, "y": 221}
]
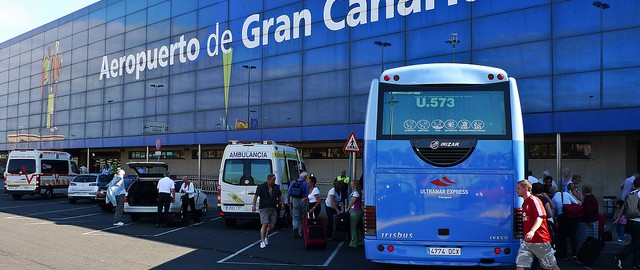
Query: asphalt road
[{"x": 53, "y": 234}]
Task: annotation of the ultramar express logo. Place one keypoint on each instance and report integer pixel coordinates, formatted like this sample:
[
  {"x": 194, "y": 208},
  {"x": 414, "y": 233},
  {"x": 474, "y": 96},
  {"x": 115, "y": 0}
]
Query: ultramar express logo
[{"x": 444, "y": 188}]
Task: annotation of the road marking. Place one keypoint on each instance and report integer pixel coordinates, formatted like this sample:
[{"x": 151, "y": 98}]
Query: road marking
[
  {"x": 29, "y": 205},
  {"x": 48, "y": 212},
  {"x": 109, "y": 228},
  {"x": 52, "y": 221},
  {"x": 242, "y": 250},
  {"x": 333, "y": 254},
  {"x": 215, "y": 218}
]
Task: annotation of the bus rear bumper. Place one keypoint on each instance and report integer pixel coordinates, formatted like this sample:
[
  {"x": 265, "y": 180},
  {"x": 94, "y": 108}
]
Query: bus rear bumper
[{"x": 417, "y": 253}]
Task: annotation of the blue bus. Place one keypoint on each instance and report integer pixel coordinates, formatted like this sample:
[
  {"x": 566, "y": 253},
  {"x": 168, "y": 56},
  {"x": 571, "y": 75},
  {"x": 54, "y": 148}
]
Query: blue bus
[{"x": 443, "y": 151}]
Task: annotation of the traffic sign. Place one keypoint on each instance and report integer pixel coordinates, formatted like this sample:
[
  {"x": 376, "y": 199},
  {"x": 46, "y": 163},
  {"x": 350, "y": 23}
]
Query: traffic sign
[{"x": 352, "y": 144}]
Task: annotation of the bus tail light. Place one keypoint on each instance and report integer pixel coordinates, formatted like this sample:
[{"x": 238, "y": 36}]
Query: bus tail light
[
  {"x": 517, "y": 223},
  {"x": 370, "y": 221}
]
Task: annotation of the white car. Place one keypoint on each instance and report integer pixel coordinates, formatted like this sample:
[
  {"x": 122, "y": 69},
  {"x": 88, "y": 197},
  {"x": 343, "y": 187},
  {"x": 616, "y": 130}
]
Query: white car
[
  {"x": 142, "y": 195},
  {"x": 85, "y": 186}
]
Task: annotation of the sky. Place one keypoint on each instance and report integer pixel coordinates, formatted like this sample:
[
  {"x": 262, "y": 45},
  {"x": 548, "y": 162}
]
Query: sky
[{"x": 20, "y": 16}]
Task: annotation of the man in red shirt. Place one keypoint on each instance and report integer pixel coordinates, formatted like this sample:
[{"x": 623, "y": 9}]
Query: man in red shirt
[{"x": 536, "y": 239}]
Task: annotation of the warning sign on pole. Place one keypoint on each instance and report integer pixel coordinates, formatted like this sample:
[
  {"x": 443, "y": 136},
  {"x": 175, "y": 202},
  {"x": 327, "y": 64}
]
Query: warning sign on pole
[{"x": 352, "y": 144}]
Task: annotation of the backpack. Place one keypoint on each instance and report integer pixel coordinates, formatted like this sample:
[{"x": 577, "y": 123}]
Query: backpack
[
  {"x": 632, "y": 209},
  {"x": 295, "y": 190}
]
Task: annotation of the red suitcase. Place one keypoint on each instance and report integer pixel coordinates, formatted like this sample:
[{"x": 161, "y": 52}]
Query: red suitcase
[{"x": 313, "y": 232}]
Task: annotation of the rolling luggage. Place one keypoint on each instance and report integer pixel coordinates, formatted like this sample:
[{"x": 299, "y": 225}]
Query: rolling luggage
[
  {"x": 313, "y": 232},
  {"x": 590, "y": 250},
  {"x": 342, "y": 221}
]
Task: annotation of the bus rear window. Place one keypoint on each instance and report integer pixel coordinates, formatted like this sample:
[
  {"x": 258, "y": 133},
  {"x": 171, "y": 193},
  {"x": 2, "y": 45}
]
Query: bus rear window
[
  {"x": 16, "y": 166},
  {"x": 246, "y": 171}
]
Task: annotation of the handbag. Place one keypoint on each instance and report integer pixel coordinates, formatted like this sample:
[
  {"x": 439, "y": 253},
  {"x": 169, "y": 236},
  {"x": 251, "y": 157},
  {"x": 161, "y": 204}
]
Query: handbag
[{"x": 573, "y": 210}]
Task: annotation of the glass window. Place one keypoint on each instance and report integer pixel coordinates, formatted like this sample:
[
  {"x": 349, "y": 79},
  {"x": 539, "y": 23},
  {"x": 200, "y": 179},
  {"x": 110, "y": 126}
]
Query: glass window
[
  {"x": 434, "y": 38},
  {"x": 95, "y": 113},
  {"x": 80, "y": 39},
  {"x": 500, "y": 6},
  {"x": 381, "y": 27},
  {"x": 521, "y": 26},
  {"x": 182, "y": 82},
  {"x": 618, "y": 88},
  {"x": 210, "y": 99},
  {"x": 97, "y": 33},
  {"x": 209, "y": 16},
  {"x": 571, "y": 18},
  {"x": 133, "y": 6},
  {"x": 576, "y": 91},
  {"x": 523, "y": 60},
  {"x": 288, "y": 114},
  {"x": 115, "y": 44},
  {"x": 326, "y": 59},
  {"x": 620, "y": 48},
  {"x": 282, "y": 66},
  {"x": 158, "y": 12},
  {"x": 253, "y": 170},
  {"x": 115, "y": 10},
  {"x": 322, "y": 36},
  {"x": 65, "y": 30},
  {"x": 95, "y": 97},
  {"x": 622, "y": 14},
  {"x": 182, "y": 103},
  {"x": 93, "y": 130},
  {"x": 209, "y": 120},
  {"x": 132, "y": 127},
  {"x": 136, "y": 38},
  {"x": 365, "y": 52},
  {"x": 338, "y": 10},
  {"x": 115, "y": 27},
  {"x": 181, "y": 7},
  {"x": 535, "y": 94},
  {"x": 97, "y": 17},
  {"x": 136, "y": 20},
  {"x": 576, "y": 54},
  {"x": 184, "y": 23},
  {"x": 180, "y": 123},
  {"x": 132, "y": 109},
  {"x": 96, "y": 50},
  {"x": 209, "y": 78},
  {"x": 79, "y": 54},
  {"x": 77, "y": 116},
  {"x": 79, "y": 86},
  {"x": 17, "y": 166},
  {"x": 244, "y": 8},
  {"x": 134, "y": 90},
  {"x": 283, "y": 90},
  {"x": 439, "y": 16},
  {"x": 358, "y": 107},
  {"x": 325, "y": 111},
  {"x": 113, "y": 128},
  {"x": 158, "y": 31},
  {"x": 569, "y": 150},
  {"x": 79, "y": 69},
  {"x": 326, "y": 85}
]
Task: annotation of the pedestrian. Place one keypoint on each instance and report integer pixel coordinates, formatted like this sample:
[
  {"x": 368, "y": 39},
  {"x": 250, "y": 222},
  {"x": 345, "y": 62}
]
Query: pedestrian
[
  {"x": 588, "y": 225},
  {"x": 632, "y": 214},
  {"x": 270, "y": 199},
  {"x": 627, "y": 186},
  {"x": 84, "y": 170},
  {"x": 314, "y": 205},
  {"x": 536, "y": 240},
  {"x": 344, "y": 180},
  {"x": 549, "y": 186},
  {"x": 620, "y": 221},
  {"x": 105, "y": 170},
  {"x": 115, "y": 196},
  {"x": 575, "y": 191},
  {"x": 532, "y": 179},
  {"x": 566, "y": 179},
  {"x": 297, "y": 192},
  {"x": 166, "y": 195},
  {"x": 568, "y": 226},
  {"x": 331, "y": 206},
  {"x": 355, "y": 217},
  {"x": 188, "y": 193}
]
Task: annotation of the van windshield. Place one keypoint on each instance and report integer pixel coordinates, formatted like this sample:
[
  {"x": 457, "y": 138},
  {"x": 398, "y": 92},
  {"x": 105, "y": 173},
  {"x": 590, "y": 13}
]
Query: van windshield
[
  {"x": 246, "y": 171},
  {"x": 16, "y": 166}
]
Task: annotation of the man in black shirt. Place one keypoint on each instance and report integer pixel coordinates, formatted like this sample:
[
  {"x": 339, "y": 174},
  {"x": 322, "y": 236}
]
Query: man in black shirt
[{"x": 270, "y": 198}]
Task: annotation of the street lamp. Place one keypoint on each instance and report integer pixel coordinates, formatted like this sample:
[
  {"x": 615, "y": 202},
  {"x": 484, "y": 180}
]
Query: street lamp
[
  {"x": 601, "y": 6},
  {"x": 249, "y": 68},
  {"x": 110, "y": 102},
  {"x": 382, "y": 45},
  {"x": 453, "y": 40},
  {"x": 155, "y": 105}
]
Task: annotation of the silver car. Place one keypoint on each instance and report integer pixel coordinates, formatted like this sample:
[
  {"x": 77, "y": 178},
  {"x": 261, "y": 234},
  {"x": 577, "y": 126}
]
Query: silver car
[
  {"x": 142, "y": 196},
  {"x": 85, "y": 186}
]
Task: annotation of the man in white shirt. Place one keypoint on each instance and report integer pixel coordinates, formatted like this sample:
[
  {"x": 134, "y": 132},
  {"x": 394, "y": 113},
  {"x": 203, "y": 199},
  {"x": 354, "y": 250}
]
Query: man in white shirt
[
  {"x": 166, "y": 195},
  {"x": 627, "y": 186}
]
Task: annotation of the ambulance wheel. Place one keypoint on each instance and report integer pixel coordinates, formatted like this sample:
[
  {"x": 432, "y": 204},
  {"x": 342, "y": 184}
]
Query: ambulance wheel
[{"x": 17, "y": 196}]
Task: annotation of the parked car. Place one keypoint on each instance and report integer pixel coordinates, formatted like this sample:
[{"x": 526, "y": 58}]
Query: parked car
[
  {"x": 101, "y": 195},
  {"x": 85, "y": 186},
  {"x": 142, "y": 195}
]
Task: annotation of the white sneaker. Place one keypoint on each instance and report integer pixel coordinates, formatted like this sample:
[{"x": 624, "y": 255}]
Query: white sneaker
[
  {"x": 266, "y": 241},
  {"x": 262, "y": 244},
  {"x": 118, "y": 224}
]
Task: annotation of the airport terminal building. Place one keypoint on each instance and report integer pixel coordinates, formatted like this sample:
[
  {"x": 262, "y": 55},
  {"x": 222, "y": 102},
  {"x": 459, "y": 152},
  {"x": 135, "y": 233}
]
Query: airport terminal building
[{"x": 109, "y": 80}]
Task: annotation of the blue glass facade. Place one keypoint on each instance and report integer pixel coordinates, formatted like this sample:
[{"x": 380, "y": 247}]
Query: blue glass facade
[{"x": 314, "y": 64}]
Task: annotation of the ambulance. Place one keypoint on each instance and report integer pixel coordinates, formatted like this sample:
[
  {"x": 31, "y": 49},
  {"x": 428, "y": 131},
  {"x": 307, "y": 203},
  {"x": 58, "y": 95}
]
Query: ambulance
[
  {"x": 245, "y": 165},
  {"x": 31, "y": 172}
]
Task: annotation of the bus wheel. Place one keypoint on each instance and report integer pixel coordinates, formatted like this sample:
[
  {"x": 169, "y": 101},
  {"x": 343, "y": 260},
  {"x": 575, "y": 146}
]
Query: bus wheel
[
  {"x": 17, "y": 196},
  {"x": 230, "y": 222}
]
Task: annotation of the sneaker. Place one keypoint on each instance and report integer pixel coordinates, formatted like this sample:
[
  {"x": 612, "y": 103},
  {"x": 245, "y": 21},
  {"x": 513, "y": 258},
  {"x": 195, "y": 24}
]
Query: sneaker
[
  {"x": 620, "y": 240},
  {"x": 262, "y": 244},
  {"x": 118, "y": 223},
  {"x": 618, "y": 262},
  {"x": 266, "y": 241}
]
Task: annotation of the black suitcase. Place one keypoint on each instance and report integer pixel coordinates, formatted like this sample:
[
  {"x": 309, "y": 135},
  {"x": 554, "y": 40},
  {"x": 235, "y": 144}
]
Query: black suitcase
[
  {"x": 590, "y": 250},
  {"x": 342, "y": 221}
]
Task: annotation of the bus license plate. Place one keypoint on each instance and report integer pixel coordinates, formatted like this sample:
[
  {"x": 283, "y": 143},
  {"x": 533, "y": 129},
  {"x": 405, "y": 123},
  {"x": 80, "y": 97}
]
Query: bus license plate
[{"x": 445, "y": 251}]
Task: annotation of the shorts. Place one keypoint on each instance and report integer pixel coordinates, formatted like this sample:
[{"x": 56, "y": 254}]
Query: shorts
[
  {"x": 268, "y": 215},
  {"x": 543, "y": 251}
]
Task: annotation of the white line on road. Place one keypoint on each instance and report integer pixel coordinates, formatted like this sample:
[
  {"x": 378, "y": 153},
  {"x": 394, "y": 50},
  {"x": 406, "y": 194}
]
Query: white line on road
[
  {"x": 242, "y": 250},
  {"x": 53, "y": 220},
  {"x": 215, "y": 218},
  {"x": 29, "y": 205},
  {"x": 109, "y": 228},
  {"x": 48, "y": 212},
  {"x": 326, "y": 263}
]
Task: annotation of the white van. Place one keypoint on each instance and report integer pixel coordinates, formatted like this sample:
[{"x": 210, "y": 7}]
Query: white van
[
  {"x": 244, "y": 166},
  {"x": 31, "y": 172}
]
